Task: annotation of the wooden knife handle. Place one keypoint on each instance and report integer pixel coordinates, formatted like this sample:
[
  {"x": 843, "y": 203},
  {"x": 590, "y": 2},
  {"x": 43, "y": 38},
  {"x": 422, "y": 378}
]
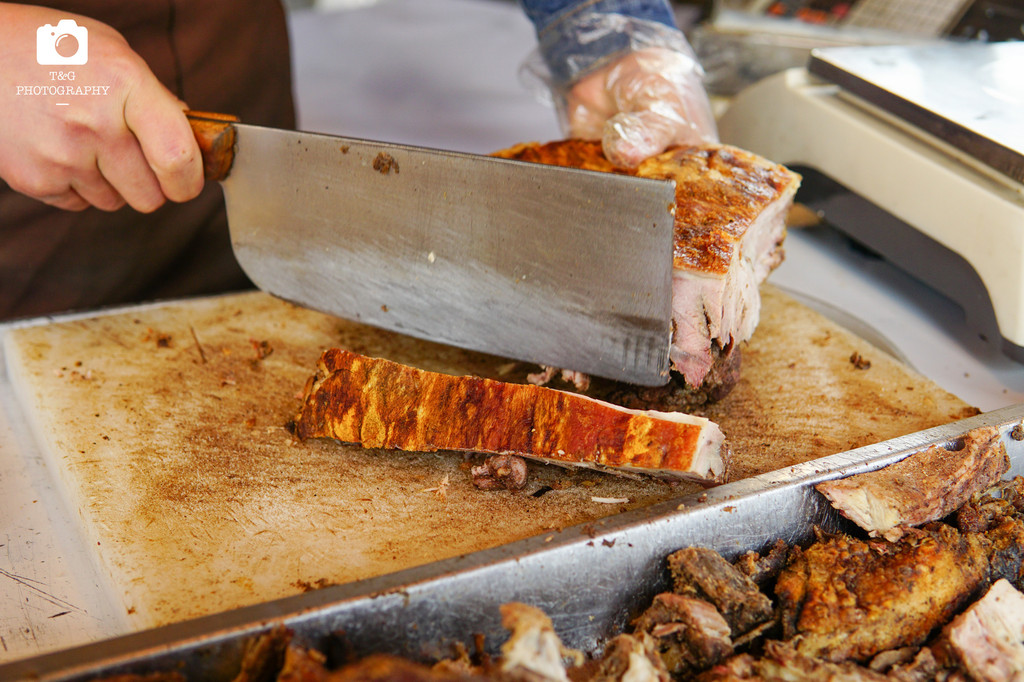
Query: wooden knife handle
[{"x": 216, "y": 137}]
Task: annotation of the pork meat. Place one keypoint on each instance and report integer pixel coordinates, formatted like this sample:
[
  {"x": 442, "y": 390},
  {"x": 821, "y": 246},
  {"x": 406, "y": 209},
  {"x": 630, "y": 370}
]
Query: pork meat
[
  {"x": 688, "y": 634},
  {"x": 843, "y": 598},
  {"x": 730, "y": 223},
  {"x": 382, "y": 404},
  {"x": 926, "y": 486},
  {"x": 730, "y": 213},
  {"x": 987, "y": 639},
  {"x": 702, "y": 573}
]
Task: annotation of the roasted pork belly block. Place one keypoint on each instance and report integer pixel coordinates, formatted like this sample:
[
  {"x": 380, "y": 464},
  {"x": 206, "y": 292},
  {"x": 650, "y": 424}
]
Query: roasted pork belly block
[
  {"x": 730, "y": 223},
  {"x": 730, "y": 214},
  {"x": 382, "y": 404}
]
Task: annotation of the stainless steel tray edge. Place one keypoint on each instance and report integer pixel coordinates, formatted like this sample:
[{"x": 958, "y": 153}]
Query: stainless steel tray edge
[{"x": 591, "y": 579}]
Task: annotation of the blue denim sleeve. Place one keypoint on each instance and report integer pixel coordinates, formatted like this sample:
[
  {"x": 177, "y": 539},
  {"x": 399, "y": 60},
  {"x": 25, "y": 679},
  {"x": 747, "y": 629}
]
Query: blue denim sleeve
[{"x": 577, "y": 36}]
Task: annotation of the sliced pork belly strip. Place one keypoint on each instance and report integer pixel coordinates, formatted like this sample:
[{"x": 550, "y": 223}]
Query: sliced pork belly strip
[{"x": 382, "y": 404}]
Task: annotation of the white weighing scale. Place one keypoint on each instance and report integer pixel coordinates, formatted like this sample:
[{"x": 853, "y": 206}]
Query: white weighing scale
[{"x": 916, "y": 152}]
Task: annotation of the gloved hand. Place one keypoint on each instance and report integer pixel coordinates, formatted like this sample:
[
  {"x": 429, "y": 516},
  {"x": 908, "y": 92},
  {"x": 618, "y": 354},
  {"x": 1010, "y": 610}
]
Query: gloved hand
[{"x": 640, "y": 104}]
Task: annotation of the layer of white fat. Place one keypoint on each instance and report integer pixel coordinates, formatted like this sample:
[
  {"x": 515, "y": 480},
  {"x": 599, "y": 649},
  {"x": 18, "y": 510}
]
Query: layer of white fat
[
  {"x": 537, "y": 650},
  {"x": 640, "y": 669},
  {"x": 725, "y": 308},
  {"x": 864, "y": 508},
  {"x": 707, "y": 463},
  {"x": 988, "y": 635}
]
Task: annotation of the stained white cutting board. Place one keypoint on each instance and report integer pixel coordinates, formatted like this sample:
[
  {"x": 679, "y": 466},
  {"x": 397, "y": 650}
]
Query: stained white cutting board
[{"x": 167, "y": 430}]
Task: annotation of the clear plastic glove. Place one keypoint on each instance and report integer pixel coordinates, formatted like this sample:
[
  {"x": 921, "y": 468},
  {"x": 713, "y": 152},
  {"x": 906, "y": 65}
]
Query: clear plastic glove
[
  {"x": 131, "y": 144},
  {"x": 641, "y": 104}
]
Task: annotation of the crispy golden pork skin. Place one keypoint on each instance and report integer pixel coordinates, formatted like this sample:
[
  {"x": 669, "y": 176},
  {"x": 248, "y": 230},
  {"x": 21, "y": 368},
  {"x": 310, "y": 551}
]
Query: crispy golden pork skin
[
  {"x": 730, "y": 215},
  {"x": 382, "y": 404},
  {"x": 730, "y": 223}
]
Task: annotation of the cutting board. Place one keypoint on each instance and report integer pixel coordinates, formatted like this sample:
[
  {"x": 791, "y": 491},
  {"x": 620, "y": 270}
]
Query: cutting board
[{"x": 166, "y": 425}]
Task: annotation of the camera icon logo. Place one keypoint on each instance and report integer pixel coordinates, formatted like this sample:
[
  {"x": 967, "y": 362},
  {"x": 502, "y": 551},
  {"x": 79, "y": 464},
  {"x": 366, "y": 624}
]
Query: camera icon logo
[{"x": 67, "y": 43}]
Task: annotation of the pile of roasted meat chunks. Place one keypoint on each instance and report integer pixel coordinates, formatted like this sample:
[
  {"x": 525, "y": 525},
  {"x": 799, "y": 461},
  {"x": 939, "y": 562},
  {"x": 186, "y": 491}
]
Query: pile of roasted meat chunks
[{"x": 941, "y": 602}]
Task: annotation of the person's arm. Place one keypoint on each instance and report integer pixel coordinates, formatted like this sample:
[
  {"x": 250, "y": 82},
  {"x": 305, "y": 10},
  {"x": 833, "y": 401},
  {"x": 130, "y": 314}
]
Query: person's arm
[
  {"x": 621, "y": 71},
  {"x": 121, "y": 138}
]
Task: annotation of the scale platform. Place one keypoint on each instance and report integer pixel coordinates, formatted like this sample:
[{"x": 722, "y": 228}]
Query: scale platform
[{"x": 917, "y": 153}]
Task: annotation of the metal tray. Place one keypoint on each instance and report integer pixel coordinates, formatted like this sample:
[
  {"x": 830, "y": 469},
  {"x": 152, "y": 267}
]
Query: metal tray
[{"x": 590, "y": 579}]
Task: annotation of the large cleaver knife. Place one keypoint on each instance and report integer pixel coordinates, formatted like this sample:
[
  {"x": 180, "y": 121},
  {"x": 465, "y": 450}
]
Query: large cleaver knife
[{"x": 557, "y": 266}]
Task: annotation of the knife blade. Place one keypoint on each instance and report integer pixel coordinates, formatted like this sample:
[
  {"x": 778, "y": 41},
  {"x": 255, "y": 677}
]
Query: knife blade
[{"x": 557, "y": 266}]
